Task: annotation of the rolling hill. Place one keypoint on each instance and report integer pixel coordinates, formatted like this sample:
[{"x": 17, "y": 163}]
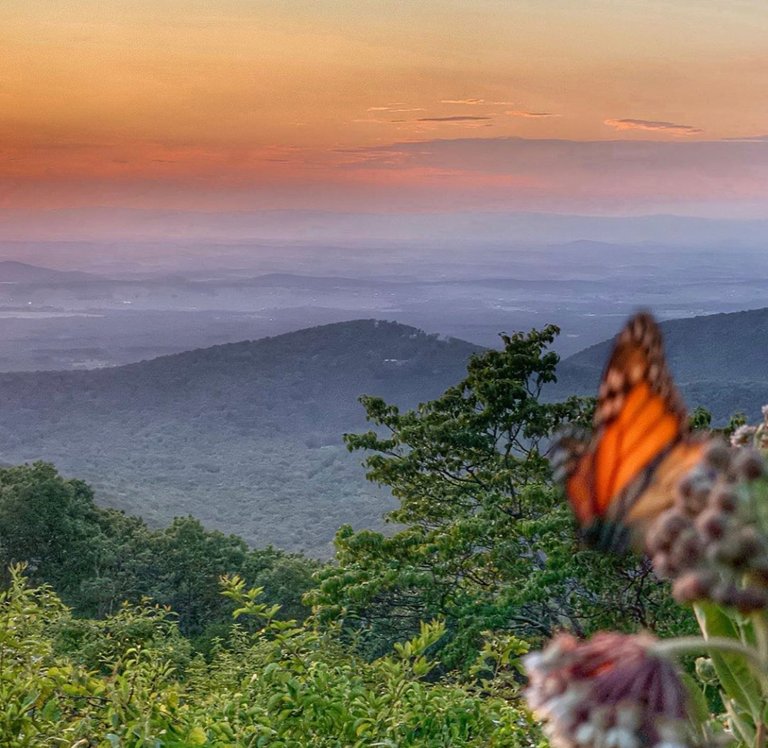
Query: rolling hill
[
  {"x": 719, "y": 361},
  {"x": 245, "y": 436}
]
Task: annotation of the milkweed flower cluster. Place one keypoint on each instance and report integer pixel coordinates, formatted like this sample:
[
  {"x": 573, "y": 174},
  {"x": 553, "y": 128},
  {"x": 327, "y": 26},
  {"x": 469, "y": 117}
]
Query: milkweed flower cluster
[
  {"x": 613, "y": 691},
  {"x": 709, "y": 542},
  {"x": 624, "y": 691}
]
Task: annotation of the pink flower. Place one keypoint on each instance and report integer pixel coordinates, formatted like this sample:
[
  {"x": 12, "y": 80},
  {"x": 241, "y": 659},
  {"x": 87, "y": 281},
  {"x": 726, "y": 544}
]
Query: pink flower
[
  {"x": 612, "y": 691},
  {"x": 743, "y": 435}
]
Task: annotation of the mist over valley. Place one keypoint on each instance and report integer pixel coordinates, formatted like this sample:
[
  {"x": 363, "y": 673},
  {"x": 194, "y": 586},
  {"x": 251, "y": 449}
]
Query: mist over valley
[{"x": 82, "y": 304}]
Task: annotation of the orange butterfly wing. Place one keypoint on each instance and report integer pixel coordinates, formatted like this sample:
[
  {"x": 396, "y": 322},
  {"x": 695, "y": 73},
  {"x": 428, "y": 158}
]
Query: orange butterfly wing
[{"x": 625, "y": 475}]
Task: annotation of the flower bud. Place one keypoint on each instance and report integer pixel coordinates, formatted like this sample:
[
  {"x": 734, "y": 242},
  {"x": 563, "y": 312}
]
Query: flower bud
[
  {"x": 723, "y": 497},
  {"x": 751, "y": 545},
  {"x": 711, "y": 524},
  {"x": 663, "y": 567},
  {"x": 724, "y": 593},
  {"x": 718, "y": 456},
  {"x": 620, "y": 692},
  {"x": 665, "y": 531},
  {"x": 693, "y": 585},
  {"x": 729, "y": 551},
  {"x": 758, "y": 568},
  {"x": 687, "y": 550},
  {"x": 748, "y": 464},
  {"x": 743, "y": 436}
]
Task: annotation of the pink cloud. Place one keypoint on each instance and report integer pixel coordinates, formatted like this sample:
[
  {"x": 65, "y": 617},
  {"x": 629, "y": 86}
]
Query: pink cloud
[
  {"x": 470, "y": 102},
  {"x": 652, "y": 126},
  {"x": 506, "y": 173},
  {"x": 476, "y": 102},
  {"x": 555, "y": 174},
  {"x": 395, "y": 108},
  {"x": 456, "y": 118},
  {"x": 530, "y": 115}
]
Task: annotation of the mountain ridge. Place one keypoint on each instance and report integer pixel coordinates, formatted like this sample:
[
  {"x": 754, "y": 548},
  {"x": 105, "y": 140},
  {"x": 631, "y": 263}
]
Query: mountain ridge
[
  {"x": 719, "y": 361},
  {"x": 14, "y": 271},
  {"x": 246, "y": 436}
]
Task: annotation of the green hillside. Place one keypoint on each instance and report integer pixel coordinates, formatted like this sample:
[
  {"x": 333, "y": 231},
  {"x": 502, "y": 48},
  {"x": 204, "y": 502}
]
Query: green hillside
[
  {"x": 719, "y": 361},
  {"x": 245, "y": 436}
]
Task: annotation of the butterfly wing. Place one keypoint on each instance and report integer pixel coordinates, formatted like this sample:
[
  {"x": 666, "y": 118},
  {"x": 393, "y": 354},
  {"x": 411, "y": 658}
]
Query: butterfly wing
[
  {"x": 572, "y": 465},
  {"x": 640, "y": 447}
]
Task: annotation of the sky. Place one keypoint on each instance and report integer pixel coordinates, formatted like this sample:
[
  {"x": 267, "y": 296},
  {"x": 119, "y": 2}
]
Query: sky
[{"x": 596, "y": 107}]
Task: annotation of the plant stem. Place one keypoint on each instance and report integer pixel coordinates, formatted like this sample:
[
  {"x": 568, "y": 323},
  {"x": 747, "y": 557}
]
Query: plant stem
[{"x": 691, "y": 644}]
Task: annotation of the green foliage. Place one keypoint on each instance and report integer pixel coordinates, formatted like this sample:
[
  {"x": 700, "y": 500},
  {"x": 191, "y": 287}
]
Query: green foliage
[
  {"x": 97, "y": 643},
  {"x": 484, "y": 542},
  {"x": 298, "y": 687},
  {"x": 97, "y": 559},
  {"x": 700, "y": 419},
  {"x": 190, "y": 561},
  {"x": 50, "y": 699},
  {"x": 736, "y": 420},
  {"x": 127, "y": 681},
  {"x": 48, "y": 523}
]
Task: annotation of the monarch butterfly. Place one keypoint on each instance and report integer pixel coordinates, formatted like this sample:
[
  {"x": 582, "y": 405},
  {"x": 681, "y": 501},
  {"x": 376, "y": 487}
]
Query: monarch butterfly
[{"x": 624, "y": 476}]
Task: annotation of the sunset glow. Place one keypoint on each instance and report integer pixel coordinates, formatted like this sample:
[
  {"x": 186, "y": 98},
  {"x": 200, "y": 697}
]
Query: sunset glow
[{"x": 599, "y": 106}]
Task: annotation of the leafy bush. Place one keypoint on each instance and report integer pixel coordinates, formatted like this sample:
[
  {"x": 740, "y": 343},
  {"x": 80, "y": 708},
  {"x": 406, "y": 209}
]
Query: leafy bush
[{"x": 128, "y": 681}]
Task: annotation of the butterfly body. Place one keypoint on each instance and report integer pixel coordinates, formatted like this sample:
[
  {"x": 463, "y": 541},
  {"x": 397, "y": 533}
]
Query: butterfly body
[{"x": 624, "y": 475}]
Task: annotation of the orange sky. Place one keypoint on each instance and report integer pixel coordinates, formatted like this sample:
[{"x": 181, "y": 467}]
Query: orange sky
[{"x": 250, "y": 104}]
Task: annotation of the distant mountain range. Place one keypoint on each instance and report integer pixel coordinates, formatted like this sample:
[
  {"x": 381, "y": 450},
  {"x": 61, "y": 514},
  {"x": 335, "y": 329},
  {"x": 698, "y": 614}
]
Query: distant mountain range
[
  {"x": 247, "y": 436},
  {"x": 21, "y": 272},
  {"x": 719, "y": 361}
]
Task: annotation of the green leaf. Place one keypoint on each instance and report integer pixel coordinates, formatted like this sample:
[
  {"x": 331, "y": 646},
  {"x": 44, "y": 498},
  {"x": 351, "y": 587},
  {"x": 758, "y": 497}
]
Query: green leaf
[
  {"x": 197, "y": 736},
  {"x": 736, "y": 678}
]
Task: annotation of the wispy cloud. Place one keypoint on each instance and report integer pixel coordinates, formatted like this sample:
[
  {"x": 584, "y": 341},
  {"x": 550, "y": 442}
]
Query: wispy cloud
[
  {"x": 395, "y": 108},
  {"x": 470, "y": 102},
  {"x": 476, "y": 102},
  {"x": 652, "y": 125},
  {"x": 455, "y": 118},
  {"x": 530, "y": 115}
]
